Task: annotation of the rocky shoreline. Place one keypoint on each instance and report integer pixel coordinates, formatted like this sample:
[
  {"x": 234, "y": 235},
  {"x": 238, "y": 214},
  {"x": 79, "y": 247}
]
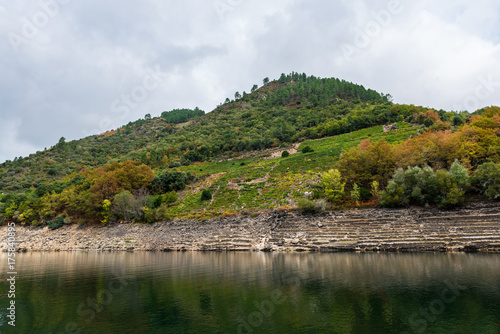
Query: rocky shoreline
[{"x": 475, "y": 227}]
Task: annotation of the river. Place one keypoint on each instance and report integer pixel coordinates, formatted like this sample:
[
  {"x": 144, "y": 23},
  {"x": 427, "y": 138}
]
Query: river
[{"x": 252, "y": 292}]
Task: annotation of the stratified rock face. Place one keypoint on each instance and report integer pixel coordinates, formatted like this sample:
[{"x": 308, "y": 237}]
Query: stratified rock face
[{"x": 472, "y": 228}]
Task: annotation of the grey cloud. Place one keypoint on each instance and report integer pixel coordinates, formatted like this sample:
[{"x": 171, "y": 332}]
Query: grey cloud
[{"x": 65, "y": 79}]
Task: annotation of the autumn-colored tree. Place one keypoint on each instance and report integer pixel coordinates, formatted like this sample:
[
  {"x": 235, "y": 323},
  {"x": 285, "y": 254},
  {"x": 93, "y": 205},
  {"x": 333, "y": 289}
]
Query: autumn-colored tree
[
  {"x": 479, "y": 141},
  {"x": 132, "y": 175},
  {"x": 368, "y": 162},
  {"x": 437, "y": 149}
]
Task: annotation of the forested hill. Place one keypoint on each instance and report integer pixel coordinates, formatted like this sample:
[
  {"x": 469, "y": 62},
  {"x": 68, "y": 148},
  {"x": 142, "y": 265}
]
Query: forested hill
[
  {"x": 278, "y": 112},
  {"x": 243, "y": 156}
]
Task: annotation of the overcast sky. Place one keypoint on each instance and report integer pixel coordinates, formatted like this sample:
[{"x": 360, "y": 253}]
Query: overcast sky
[{"x": 72, "y": 68}]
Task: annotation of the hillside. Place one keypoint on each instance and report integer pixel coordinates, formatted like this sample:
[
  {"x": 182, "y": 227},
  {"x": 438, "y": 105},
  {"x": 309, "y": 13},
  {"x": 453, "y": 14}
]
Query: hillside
[{"x": 186, "y": 164}]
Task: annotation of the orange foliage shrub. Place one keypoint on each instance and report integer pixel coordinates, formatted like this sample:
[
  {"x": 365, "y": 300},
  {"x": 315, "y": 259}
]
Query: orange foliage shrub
[
  {"x": 472, "y": 144},
  {"x": 367, "y": 163},
  {"x": 437, "y": 149},
  {"x": 118, "y": 176}
]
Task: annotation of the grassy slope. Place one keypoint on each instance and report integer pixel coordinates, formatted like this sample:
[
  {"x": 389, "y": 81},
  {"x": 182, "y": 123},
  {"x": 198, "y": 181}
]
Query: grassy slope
[{"x": 258, "y": 184}]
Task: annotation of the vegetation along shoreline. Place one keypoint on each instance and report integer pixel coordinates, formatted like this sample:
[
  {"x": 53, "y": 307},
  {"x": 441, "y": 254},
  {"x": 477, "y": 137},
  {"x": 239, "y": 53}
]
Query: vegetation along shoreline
[{"x": 472, "y": 228}]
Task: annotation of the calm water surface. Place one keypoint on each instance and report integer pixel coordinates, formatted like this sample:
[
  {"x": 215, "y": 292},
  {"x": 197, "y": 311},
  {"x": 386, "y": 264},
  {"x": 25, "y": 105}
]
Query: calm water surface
[{"x": 253, "y": 293}]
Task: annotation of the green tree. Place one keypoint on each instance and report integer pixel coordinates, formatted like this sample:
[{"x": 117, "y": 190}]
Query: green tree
[
  {"x": 375, "y": 191},
  {"x": 333, "y": 185},
  {"x": 206, "y": 195},
  {"x": 460, "y": 174},
  {"x": 487, "y": 176},
  {"x": 355, "y": 195},
  {"x": 254, "y": 88},
  {"x": 177, "y": 116},
  {"x": 62, "y": 142},
  {"x": 106, "y": 212},
  {"x": 307, "y": 149},
  {"x": 124, "y": 205},
  {"x": 423, "y": 186},
  {"x": 457, "y": 120},
  {"x": 171, "y": 181},
  {"x": 265, "y": 81}
]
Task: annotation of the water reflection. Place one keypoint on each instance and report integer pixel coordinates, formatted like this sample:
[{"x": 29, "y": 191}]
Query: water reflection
[{"x": 256, "y": 293}]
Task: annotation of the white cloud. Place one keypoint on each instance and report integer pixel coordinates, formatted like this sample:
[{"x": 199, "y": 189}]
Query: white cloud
[{"x": 64, "y": 81}]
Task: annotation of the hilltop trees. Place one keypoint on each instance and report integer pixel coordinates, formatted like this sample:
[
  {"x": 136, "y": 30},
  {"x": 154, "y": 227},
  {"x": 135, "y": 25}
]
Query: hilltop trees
[{"x": 181, "y": 115}]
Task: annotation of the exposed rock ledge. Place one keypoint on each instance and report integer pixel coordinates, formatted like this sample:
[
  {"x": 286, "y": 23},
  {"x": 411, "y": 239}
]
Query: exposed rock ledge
[{"x": 471, "y": 228}]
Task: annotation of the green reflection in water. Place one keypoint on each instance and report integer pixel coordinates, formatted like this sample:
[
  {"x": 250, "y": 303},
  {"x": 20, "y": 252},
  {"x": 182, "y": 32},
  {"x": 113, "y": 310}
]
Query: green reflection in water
[{"x": 254, "y": 293}]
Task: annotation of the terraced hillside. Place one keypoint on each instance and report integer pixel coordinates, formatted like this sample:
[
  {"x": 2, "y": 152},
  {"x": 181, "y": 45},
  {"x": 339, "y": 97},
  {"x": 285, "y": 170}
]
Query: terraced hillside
[{"x": 475, "y": 227}]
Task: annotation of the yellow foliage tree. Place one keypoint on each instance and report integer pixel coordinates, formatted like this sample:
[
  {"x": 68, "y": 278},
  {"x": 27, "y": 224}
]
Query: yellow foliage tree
[{"x": 333, "y": 185}]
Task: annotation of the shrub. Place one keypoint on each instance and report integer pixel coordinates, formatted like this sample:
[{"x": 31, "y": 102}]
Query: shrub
[
  {"x": 333, "y": 185},
  {"x": 307, "y": 149},
  {"x": 106, "y": 212},
  {"x": 162, "y": 213},
  {"x": 169, "y": 198},
  {"x": 488, "y": 177},
  {"x": 307, "y": 206},
  {"x": 175, "y": 164},
  {"x": 155, "y": 201},
  {"x": 355, "y": 195},
  {"x": 285, "y": 154},
  {"x": 375, "y": 191},
  {"x": 321, "y": 205},
  {"x": 150, "y": 215},
  {"x": 171, "y": 181},
  {"x": 56, "y": 223},
  {"x": 451, "y": 193},
  {"x": 423, "y": 186},
  {"x": 364, "y": 194},
  {"x": 124, "y": 205},
  {"x": 368, "y": 162},
  {"x": 460, "y": 173},
  {"x": 206, "y": 195},
  {"x": 317, "y": 194}
]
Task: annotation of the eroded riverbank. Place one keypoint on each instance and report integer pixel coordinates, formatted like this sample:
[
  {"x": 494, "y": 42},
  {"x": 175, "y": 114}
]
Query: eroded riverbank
[{"x": 475, "y": 227}]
